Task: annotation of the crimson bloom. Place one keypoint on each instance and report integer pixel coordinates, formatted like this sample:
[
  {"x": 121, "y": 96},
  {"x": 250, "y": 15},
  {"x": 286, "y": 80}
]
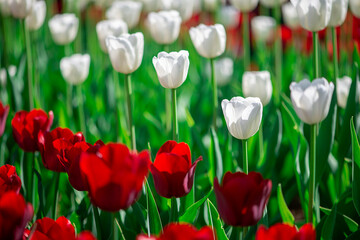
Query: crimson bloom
[
  {"x": 282, "y": 231},
  {"x": 176, "y": 231},
  {"x": 26, "y": 127},
  {"x": 9, "y": 180},
  {"x": 241, "y": 198},
  {"x": 15, "y": 213},
  {"x": 4, "y": 112},
  {"x": 114, "y": 176},
  {"x": 53, "y": 144},
  {"x": 172, "y": 170}
]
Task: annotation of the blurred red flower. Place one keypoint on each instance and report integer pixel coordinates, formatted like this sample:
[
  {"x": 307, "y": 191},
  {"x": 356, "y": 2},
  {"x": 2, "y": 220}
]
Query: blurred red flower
[
  {"x": 282, "y": 231},
  {"x": 114, "y": 175},
  {"x": 4, "y": 111},
  {"x": 9, "y": 180},
  {"x": 241, "y": 198},
  {"x": 86, "y": 235},
  {"x": 172, "y": 170},
  {"x": 26, "y": 127}
]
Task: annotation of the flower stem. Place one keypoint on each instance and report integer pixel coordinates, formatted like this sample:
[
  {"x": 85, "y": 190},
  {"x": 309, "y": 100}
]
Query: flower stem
[
  {"x": 118, "y": 108},
  {"x": 97, "y": 222},
  {"x": 215, "y": 96},
  {"x": 174, "y": 210},
  {"x": 81, "y": 110},
  {"x": 129, "y": 108},
  {"x": 56, "y": 190},
  {"x": 245, "y": 156},
  {"x": 69, "y": 101},
  {"x": 244, "y": 232},
  {"x": 278, "y": 54},
  {"x": 316, "y": 54},
  {"x": 29, "y": 64},
  {"x": 335, "y": 55},
  {"x": 261, "y": 140},
  {"x": 246, "y": 41},
  {"x": 313, "y": 129},
  {"x": 174, "y": 116},
  {"x": 114, "y": 226}
]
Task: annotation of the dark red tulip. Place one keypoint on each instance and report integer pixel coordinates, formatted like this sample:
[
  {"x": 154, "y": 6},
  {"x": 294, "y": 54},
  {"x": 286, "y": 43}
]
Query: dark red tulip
[
  {"x": 176, "y": 231},
  {"x": 9, "y": 180},
  {"x": 15, "y": 214},
  {"x": 114, "y": 175},
  {"x": 241, "y": 198},
  {"x": 49, "y": 229},
  {"x": 53, "y": 144},
  {"x": 172, "y": 170},
  {"x": 286, "y": 232},
  {"x": 4, "y": 112}
]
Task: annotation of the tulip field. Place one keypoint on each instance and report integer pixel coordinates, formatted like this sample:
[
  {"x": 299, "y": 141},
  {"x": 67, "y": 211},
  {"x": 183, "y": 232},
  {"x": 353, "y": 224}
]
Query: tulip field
[{"x": 179, "y": 119}]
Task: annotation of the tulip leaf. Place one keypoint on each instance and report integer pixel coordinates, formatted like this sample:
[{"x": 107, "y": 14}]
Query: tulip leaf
[
  {"x": 216, "y": 223},
  {"x": 191, "y": 212},
  {"x": 328, "y": 228},
  {"x": 153, "y": 216},
  {"x": 356, "y": 167},
  {"x": 215, "y": 157},
  {"x": 285, "y": 213}
]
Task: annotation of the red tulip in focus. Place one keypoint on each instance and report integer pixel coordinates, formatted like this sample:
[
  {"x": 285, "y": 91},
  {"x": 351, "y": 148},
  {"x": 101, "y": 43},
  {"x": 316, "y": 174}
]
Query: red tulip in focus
[
  {"x": 175, "y": 231},
  {"x": 114, "y": 175},
  {"x": 286, "y": 232},
  {"x": 53, "y": 144},
  {"x": 241, "y": 198},
  {"x": 27, "y": 126},
  {"x": 9, "y": 180},
  {"x": 15, "y": 214},
  {"x": 4, "y": 111}
]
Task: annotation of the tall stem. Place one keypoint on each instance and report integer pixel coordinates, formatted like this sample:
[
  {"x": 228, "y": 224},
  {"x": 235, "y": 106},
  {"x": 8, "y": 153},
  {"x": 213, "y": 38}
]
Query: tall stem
[
  {"x": 129, "y": 108},
  {"x": 313, "y": 134},
  {"x": 117, "y": 106},
  {"x": 316, "y": 54},
  {"x": 29, "y": 64},
  {"x": 69, "y": 100},
  {"x": 97, "y": 222},
  {"x": 335, "y": 54},
  {"x": 174, "y": 116},
  {"x": 81, "y": 110},
  {"x": 246, "y": 41},
  {"x": 261, "y": 140},
  {"x": 174, "y": 210},
  {"x": 278, "y": 54},
  {"x": 245, "y": 156},
  {"x": 56, "y": 190},
  {"x": 215, "y": 96}
]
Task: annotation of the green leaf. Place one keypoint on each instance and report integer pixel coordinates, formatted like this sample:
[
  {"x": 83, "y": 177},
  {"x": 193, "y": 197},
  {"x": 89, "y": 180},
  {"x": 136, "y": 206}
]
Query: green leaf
[
  {"x": 215, "y": 221},
  {"x": 190, "y": 213},
  {"x": 328, "y": 228},
  {"x": 215, "y": 157},
  {"x": 285, "y": 213},
  {"x": 153, "y": 218},
  {"x": 356, "y": 167}
]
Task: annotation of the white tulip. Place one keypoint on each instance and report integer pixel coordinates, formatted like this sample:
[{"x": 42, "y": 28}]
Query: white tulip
[
  {"x": 257, "y": 84},
  {"x": 311, "y": 100},
  {"x": 224, "y": 69},
  {"x": 37, "y": 16},
  {"x": 164, "y": 26},
  {"x": 242, "y": 116},
  {"x": 127, "y": 11},
  {"x": 342, "y": 90},
  {"x": 172, "y": 68},
  {"x": 245, "y": 5},
  {"x": 229, "y": 16},
  {"x": 184, "y": 7},
  {"x": 108, "y": 28},
  {"x": 314, "y": 15},
  {"x": 5, "y": 7},
  {"x": 21, "y": 8},
  {"x": 63, "y": 28},
  {"x": 126, "y": 52},
  {"x": 3, "y": 76},
  {"x": 355, "y": 7},
  {"x": 291, "y": 18},
  {"x": 209, "y": 41},
  {"x": 338, "y": 12},
  {"x": 75, "y": 69},
  {"x": 272, "y": 3},
  {"x": 263, "y": 28}
]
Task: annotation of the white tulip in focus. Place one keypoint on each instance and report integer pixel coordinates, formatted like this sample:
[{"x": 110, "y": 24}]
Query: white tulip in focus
[
  {"x": 272, "y": 3},
  {"x": 229, "y": 16},
  {"x": 127, "y": 11},
  {"x": 245, "y": 5},
  {"x": 164, "y": 26},
  {"x": 172, "y": 68},
  {"x": 224, "y": 69},
  {"x": 290, "y": 16},
  {"x": 75, "y": 69},
  {"x": 311, "y": 100},
  {"x": 355, "y": 7},
  {"x": 314, "y": 15},
  {"x": 209, "y": 41},
  {"x": 242, "y": 116},
  {"x": 342, "y": 90},
  {"x": 21, "y": 8},
  {"x": 184, "y": 7},
  {"x": 126, "y": 52},
  {"x": 108, "y": 28},
  {"x": 5, "y": 7},
  {"x": 263, "y": 28},
  {"x": 338, "y": 12},
  {"x": 257, "y": 84},
  {"x": 63, "y": 28},
  {"x": 37, "y": 16}
]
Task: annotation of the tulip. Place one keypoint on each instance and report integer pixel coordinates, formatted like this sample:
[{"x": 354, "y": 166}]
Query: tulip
[
  {"x": 164, "y": 26},
  {"x": 342, "y": 90},
  {"x": 355, "y": 8},
  {"x": 107, "y": 28},
  {"x": 224, "y": 69},
  {"x": 291, "y": 18},
  {"x": 272, "y": 3},
  {"x": 4, "y": 111},
  {"x": 3, "y": 77},
  {"x": 263, "y": 28},
  {"x": 9, "y": 180},
  {"x": 282, "y": 231},
  {"x": 184, "y": 7},
  {"x": 229, "y": 16},
  {"x": 26, "y": 127},
  {"x": 63, "y": 28},
  {"x": 85, "y": 235},
  {"x": 127, "y": 11},
  {"x": 75, "y": 69},
  {"x": 115, "y": 176},
  {"x": 21, "y": 8},
  {"x": 15, "y": 214},
  {"x": 241, "y": 198},
  {"x": 257, "y": 84},
  {"x": 245, "y": 6},
  {"x": 37, "y": 16},
  {"x": 5, "y": 7},
  {"x": 338, "y": 12}
]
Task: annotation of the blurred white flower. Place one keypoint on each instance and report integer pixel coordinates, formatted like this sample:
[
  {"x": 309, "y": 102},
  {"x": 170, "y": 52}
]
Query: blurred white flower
[
  {"x": 75, "y": 69},
  {"x": 3, "y": 77},
  {"x": 127, "y": 11},
  {"x": 257, "y": 84},
  {"x": 5, "y": 7},
  {"x": 37, "y": 16},
  {"x": 291, "y": 18},
  {"x": 245, "y": 5},
  {"x": 355, "y": 7},
  {"x": 342, "y": 90},
  {"x": 338, "y": 12},
  {"x": 263, "y": 28},
  {"x": 184, "y": 7},
  {"x": 164, "y": 26},
  {"x": 224, "y": 69},
  {"x": 63, "y": 28},
  {"x": 108, "y": 28},
  {"x": 21, "y": 8},
  {"x": 150, "y": 5},
  {"x": 229, "y": 16}
]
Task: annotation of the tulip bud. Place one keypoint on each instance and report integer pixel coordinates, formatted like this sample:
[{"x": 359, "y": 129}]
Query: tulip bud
[
  {"x": 338, "y": 12},
  {"x": 291, "y": 18},
  {"x": 9, "y": 180},
  {"x": 209, "y": 41},
  {"x": 184, "y": 7},
  {"x": 355, "y": 7},
  {"x": 242, "y": 116},
  {"x": 108, "y": 28},
  {"x": 63, "y": 28},
  {"x": 127, "y": 11},
  {"x": 164, "y": 26},
  {"x": 21, "y": 8},
  {"x": 245, "y": 5},
  {"x": 229, "y": 17},
  {"x": 314, "y": 15},
  {"x": 172, "y": 68},
  {"x": 311, "y": 100},
  {"x": 75, "y": 69},
  {"x": 126, "y": 52},
  {"x": 263, "y": 28},
  {"x": 272, "y": 3},
  {"x": 224, "y": 69},
  {"x": 257, "y": 84},
  {"x": 342, "y": 90},
  {"x": 37, "y": 16},
  {"x": 5, "y": 7}
]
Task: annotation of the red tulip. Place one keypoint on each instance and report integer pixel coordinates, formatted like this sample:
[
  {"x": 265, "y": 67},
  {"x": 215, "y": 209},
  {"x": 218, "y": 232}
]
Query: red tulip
[
  {"x": 86, "y": 236},
  {"x": 15, "y": 214},
  {"x": 27, "y": 126},
  {"x": 53, "y": 144},
  {"x": 9, "y": 180},
  {"x": 4, "y": 111},
  {"x": 172, "y": 170},
  {"x": 241, "y": 198},
  {"x": 114, "y": 175},
  {"x": 283, "y": 231},
  {"x": 176, "y": 231}
]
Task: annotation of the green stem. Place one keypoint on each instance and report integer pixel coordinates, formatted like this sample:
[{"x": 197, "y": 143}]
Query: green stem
[
  {"x": 97, "y": 222},
  {"x": 244, "y": 232},
  {"x": 245, "y": 156},
  {"x": 129, "y": 108},
  {"x": 56, "y": 193},
  {"x": 69, "y": 101},
  {"x": 335, "y": 55},
  {"x": 81, "y": 110},
  {"x": 168, "y": 109},
  {"x": 29, "y": 65},
  {"x": 278, "y": 54},
  {"x": 261, "y": 140},
  {"x": 174, "y": 116},
  {"x": 114, "y": 226},
  {"x": 174, "y": 210},
  {"x": 215, "y": 95},
  {"x": 28, "y": 175},
  {"x": 246, "y": 41},
  {"x": 316, "y": 54},
  {"x": 313, "y": 129},
  {"x": 118, "y": 108}
]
